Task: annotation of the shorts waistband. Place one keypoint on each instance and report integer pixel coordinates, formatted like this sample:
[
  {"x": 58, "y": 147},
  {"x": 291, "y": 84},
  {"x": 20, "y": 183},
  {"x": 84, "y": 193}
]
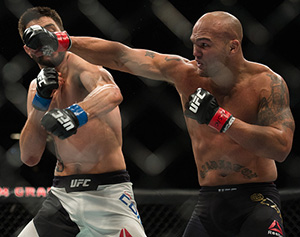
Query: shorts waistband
[
  {"x": 89, "y": 182},
  {"x": 236, "y": 187}
]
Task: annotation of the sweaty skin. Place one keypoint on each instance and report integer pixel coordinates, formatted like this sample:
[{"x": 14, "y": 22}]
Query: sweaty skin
[
  {"x": 96, "y": 147},
  {"x": 257, "y": 97}
]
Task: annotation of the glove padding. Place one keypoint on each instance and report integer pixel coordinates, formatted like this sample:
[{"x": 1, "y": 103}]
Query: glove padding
[
  {"x": 38, "y": 38},
  {"x": 47, "y": 81},
  {"x": 204, "y": 108},
  {"x": 64, "y": 122}
]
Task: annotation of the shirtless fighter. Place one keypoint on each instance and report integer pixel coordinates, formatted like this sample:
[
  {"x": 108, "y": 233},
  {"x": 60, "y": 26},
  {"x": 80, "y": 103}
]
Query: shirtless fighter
[
  {"x": 77, "y": 103},
  {"x": 237, "y": 114}
]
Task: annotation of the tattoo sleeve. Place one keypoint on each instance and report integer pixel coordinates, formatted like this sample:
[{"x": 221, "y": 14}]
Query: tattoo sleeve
[{"x": 275, "y": 108}]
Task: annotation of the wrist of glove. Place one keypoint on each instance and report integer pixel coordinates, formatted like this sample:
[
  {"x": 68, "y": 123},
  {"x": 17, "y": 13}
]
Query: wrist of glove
[
  {"x": 47, "y": 82},
  {"x": 64, "y": 41},
  {"x": 203, "y": 107},
  {"x": 41, "y": 103},
  {"x": 222, "y": 120},
  {"x": 64, "y": 122},
  {"x": 38, "y": 38}
]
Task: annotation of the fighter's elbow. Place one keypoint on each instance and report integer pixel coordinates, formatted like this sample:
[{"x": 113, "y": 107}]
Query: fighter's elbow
[
  {"x": 30, "y": 160},
  {"x": 280, "y": 157},
  {"x": 282, "y": 154},
  {"x": 284, "y": 150},
  {"x": 116, "y": 97}
]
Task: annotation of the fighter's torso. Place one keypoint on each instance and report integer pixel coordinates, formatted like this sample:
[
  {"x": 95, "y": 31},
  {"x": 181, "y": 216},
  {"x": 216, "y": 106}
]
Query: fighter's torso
[
  {"x": 219, "y": 159},
  {"x": 96, "y": 147}
]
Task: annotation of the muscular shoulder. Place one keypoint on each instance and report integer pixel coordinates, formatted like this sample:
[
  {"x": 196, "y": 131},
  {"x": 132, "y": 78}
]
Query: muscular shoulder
[
  {"x": 84, "y": 69},
  {"x": 78, "y": 64},
  {"x": 264, "y": 79},
  {"x": 274, "y": 99}
]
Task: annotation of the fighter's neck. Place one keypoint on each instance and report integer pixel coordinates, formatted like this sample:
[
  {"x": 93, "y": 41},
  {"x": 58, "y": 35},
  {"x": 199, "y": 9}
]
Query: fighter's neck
[
  {"x": 229, "y": 77},
  {"x": 62, "y": 67}
]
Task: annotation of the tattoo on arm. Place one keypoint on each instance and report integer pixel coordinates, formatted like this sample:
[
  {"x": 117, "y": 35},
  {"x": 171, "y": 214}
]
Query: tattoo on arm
[
  {"x": 275, "y": 108},
  {"x": 150, "y": 54},
  {"x": 172, "y": 58},
  {"x": 167, "y": 58}
]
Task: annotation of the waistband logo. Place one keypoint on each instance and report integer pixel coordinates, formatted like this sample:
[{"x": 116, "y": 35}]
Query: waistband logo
[
  {"x": 220, "y": 190},
  {"x": 75, "y": 183}
]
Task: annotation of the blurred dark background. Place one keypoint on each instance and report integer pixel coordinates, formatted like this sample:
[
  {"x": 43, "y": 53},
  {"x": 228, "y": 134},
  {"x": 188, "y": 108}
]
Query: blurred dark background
[{"x": 157, "y": 147}]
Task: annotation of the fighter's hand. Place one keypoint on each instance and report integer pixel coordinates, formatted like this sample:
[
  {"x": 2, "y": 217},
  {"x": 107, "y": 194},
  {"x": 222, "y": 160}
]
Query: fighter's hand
[
  {"x": 64, "y": 122},
  {"x": 38, "y": 38},
  {"x": 204, "y": 108},
  {"x": 47, "y": 82}
]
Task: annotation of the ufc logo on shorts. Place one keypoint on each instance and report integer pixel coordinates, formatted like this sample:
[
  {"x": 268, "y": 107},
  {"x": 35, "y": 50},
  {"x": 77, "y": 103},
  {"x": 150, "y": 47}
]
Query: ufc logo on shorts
[
  {"x": 75, "y": 183},
  {"x": 196, "y": 101},
  {"x": 64, "y": 121}
]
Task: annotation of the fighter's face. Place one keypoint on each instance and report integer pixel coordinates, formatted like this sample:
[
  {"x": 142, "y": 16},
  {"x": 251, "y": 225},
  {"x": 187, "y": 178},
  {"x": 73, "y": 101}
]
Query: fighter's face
[
  {"x": 48, "y": 61},
  {"x": 208, "y": 49}
]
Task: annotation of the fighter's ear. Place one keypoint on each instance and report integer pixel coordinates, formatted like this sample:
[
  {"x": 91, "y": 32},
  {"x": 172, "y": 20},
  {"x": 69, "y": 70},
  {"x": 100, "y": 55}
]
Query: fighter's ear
[
  {"x": 27, "y": 50},
  {"x": 234, "y": 46}
]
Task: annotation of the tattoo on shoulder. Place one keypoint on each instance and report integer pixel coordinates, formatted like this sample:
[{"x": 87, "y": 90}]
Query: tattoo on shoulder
[
  {"x": 150, "y": 54},
  {"x": 226, "y": 166},
  {"x": 275, "y": 108},
  {"x": 172, "y": 58}
]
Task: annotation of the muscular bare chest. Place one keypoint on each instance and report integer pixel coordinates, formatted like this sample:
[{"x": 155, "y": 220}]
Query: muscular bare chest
[
  {"x": 242, "y": 101},
  {"x": 242, "y": 104},
  {"x": 68, "y": 93}
]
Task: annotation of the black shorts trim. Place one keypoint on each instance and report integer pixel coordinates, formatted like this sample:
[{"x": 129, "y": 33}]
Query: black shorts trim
[{"x": 89, "y": 182}]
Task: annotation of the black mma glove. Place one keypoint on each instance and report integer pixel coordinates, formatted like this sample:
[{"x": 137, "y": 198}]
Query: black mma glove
[
  {"x": 204, "y": 108},
  {"x": 47, "y": 81},
  {"x": 64, "y": 122},
  {"x": 38, "y": 38}
]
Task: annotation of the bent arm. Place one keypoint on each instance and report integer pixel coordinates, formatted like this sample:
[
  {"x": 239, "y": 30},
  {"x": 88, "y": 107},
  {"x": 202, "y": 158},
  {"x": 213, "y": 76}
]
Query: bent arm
[
  {"x": 272, "y": 137},
  {"x": 33, "y": 136},
  {"x": 118, "y": 56},
  {"x": 104, "y": 94},
  {"x": 264, "y": 141}
]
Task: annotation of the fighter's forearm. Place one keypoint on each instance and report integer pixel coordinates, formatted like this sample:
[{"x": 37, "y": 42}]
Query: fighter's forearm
[
  {"x": 33, "y": 139},
  {"x": 264, "y": 141},
  {"x": 98, "y": 51},
  {"x": 101, "y": 100},
  {"x": 117, "y": 56}
]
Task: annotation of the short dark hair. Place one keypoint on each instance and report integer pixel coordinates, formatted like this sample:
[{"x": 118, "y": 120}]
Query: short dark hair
[{"x": 36, "y": 13}]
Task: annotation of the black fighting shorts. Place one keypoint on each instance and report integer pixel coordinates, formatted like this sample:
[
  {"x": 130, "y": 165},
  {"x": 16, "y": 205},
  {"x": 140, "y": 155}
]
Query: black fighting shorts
[{"x": 245, "y": 210}]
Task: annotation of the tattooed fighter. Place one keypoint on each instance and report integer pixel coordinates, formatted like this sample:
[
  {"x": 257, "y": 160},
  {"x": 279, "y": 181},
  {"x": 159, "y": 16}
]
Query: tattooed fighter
[
  {"x": 237, "y": 114},
  {"x": 77, "y": 104}
]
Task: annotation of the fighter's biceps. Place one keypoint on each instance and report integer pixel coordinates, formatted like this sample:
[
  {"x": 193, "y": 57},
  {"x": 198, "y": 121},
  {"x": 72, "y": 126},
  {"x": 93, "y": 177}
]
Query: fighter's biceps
[{"x": 98, "y": 90}]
